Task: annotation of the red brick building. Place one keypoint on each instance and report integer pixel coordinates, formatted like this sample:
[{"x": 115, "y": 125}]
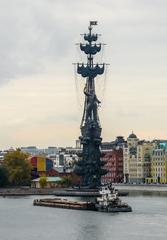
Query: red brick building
[{"x": 114, "y": 165}]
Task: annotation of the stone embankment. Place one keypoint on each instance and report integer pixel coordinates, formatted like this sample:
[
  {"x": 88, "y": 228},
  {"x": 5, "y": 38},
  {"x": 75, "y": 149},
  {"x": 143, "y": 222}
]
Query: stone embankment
[
  {"x": 61, "y": 192},
  {"x": 25, "y": 191},
  {"x": 123, "y": 189},
  {"x": 156, "y": 189}
]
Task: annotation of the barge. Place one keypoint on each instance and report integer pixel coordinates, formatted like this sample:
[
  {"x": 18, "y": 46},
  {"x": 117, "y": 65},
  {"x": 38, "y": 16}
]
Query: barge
[
  {"x": 107, "y": 202},
  {"x": 65, "y": 203}
]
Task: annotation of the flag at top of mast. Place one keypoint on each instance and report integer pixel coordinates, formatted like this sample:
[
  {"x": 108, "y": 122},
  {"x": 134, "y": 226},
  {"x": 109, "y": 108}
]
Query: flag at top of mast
[{"x": 93, "y": 23}]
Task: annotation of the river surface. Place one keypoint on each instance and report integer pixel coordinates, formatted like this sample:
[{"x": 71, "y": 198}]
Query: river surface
[{"x": 20, "y": 220}]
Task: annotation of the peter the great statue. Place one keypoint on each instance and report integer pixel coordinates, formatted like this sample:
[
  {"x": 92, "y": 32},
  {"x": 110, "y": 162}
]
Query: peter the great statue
[{"x": 90, "y": 165}]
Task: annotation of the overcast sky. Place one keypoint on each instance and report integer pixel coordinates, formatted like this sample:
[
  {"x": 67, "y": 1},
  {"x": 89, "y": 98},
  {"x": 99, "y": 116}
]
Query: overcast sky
[{"x": 38, "y": 100}]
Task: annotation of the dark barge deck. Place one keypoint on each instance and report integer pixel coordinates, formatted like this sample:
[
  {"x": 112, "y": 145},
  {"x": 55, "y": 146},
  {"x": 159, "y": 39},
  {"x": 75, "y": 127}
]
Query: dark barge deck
[{"x": 65, "y": 203}]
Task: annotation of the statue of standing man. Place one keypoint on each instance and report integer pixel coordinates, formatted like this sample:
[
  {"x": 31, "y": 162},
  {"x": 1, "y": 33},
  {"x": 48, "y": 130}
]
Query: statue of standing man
[{"x": 92, "y": 104}]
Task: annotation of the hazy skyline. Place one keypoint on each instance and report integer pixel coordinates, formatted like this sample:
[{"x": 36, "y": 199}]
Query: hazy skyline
[{"x": 37, "y": 86}]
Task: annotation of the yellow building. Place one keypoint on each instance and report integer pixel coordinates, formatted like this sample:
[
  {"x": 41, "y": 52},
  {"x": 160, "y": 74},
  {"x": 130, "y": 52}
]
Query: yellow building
[
  {"x": 158, "y": 166},
  {"x": 137, "y": 160}
]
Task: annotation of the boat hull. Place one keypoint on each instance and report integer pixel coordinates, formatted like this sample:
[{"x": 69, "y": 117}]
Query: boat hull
[{"x": 113, "y": 208}]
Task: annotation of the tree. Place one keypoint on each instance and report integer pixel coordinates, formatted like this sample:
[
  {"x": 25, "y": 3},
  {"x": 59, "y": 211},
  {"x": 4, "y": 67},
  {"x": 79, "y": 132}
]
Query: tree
[
  {"x": 3, "y": 177},
  {"x": 18, "y": 168},
  {"x": 43, "y": 182}
]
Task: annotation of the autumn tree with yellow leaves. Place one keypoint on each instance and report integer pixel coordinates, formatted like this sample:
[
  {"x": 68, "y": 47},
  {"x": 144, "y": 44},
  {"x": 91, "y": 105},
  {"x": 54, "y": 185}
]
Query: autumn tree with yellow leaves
[{"x": 18, "y": 168}]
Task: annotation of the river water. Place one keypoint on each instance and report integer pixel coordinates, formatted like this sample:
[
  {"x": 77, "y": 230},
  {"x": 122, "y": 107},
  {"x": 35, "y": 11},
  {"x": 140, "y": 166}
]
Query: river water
[{"x": 20, "y": 220}]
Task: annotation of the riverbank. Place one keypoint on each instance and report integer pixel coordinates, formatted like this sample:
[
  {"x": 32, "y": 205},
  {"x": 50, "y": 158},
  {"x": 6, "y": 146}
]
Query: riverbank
[
  {"x": 134, "y": 189},
  {"x": 61, "y": 192},
  {"x": 32, "y": 191},
  {"x": 123, "y": 188}
]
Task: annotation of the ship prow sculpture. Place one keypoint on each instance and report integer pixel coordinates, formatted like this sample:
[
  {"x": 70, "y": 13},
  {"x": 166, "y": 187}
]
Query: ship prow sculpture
[{"x": 90, "y": 165}]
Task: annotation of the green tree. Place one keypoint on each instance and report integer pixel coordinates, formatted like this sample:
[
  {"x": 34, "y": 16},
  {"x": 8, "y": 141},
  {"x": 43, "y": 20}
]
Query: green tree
[
  {"x": 3, "y": 176},
  {"x": 43, "y": 182},
  {"x": 18, "y": 168}
]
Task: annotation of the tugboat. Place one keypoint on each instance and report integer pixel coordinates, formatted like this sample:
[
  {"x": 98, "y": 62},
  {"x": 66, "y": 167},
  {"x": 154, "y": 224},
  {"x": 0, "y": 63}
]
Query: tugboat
[{"x": 109, "y": 201}]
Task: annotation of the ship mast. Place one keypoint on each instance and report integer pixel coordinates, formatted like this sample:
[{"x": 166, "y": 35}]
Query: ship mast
[{"x": 90, "y": 165}]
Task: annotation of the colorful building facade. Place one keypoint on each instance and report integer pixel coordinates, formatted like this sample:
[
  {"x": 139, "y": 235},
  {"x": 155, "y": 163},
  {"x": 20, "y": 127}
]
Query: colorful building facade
[
  {"x": 158, "y": 166},
  {"x": 40, "y": 165}
]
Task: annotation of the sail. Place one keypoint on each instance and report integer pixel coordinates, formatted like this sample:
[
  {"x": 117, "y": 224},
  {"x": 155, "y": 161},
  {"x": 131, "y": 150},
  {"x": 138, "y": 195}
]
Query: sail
[
  {"x": 90, "y": 38},
  {"x": 90, "y": 49},
  {"x": 87, "y": 71}
]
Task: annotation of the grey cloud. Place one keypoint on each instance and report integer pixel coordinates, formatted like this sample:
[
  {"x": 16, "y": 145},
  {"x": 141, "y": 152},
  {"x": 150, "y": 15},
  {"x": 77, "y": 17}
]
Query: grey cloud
[
  {"x": 41, "y": 33},
  {"x": 30, "y": 39}
]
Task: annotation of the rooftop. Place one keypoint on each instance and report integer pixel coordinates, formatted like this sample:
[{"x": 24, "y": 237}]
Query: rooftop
[
  {"x": 132, "y": 135},
  {"x": 49, "y": 179}
]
